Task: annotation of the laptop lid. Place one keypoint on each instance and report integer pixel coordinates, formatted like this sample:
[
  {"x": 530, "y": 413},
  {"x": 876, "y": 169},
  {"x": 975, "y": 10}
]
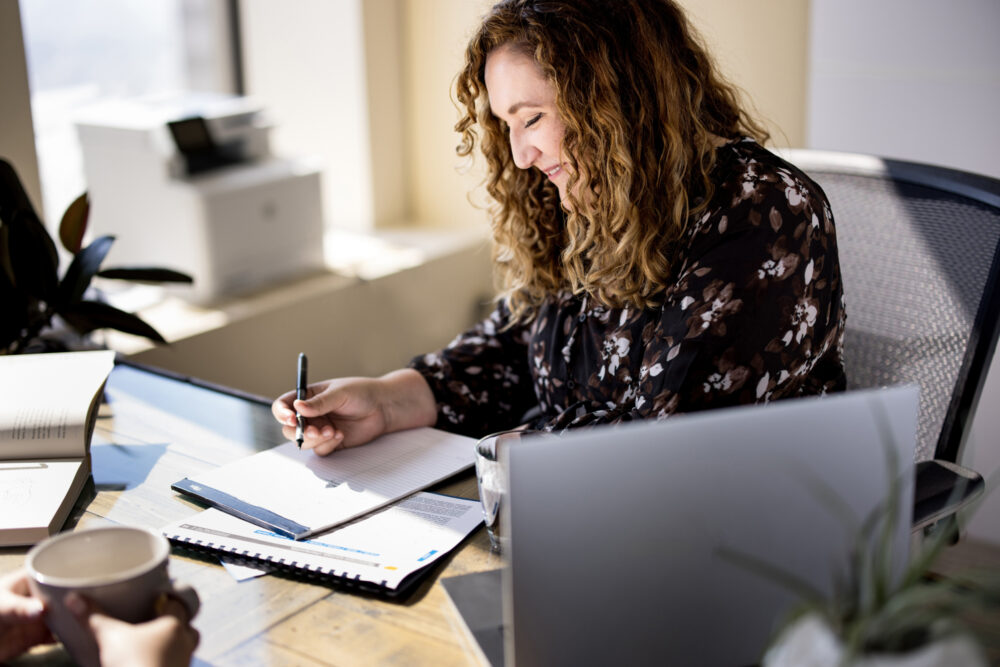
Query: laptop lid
[{"x": 622, "y": 537}]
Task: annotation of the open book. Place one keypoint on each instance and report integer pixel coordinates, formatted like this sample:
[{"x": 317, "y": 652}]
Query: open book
[{"x": 48, "y": 406}]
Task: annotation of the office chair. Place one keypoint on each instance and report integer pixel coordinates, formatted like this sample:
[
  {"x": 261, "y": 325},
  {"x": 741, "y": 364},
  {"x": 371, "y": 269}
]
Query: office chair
[{"x": 920, "y": 260}]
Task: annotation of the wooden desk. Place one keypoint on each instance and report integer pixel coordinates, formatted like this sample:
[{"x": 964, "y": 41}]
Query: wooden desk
[{"x": 153, "y": 431}]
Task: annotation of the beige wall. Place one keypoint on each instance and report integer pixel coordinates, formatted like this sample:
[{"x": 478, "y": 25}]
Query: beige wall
[
  {"x": 435, "y": 35},
  {"x": 381, "y": 108},
  {"x": 17, "y": 138},
  {"x": 763, "y": 48},
  {"x": 760, "y": 46}
]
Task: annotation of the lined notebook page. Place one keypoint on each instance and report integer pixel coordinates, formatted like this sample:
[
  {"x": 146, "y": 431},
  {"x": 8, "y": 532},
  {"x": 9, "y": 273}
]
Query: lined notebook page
[{"x": 323, "y": 491}]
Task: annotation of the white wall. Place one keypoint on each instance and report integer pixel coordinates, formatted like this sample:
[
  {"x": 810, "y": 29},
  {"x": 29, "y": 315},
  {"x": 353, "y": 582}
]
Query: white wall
[
  {"x": 917, "y": 80},
  {"x": 308, "y": 68},
  {"x": 914, "y": 79}
]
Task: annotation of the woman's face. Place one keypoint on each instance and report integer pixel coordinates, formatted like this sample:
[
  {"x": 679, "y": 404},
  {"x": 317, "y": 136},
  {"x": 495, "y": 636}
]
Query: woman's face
[{"x": 522, "y": 98}]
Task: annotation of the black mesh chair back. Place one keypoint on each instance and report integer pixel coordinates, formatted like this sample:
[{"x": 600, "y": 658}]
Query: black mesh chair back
[{"x": 920, "y": 258}]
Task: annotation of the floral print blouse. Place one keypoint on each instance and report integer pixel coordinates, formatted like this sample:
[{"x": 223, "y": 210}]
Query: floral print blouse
[{"x": 754, "y": 313}]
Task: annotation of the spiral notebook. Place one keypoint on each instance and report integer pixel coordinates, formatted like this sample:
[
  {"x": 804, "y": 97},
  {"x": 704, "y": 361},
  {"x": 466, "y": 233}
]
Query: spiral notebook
[{"x": 386, "y": 553}]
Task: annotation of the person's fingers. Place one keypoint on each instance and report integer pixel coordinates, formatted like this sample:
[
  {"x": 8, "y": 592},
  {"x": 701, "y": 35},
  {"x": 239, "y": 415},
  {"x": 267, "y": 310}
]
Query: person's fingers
[
  {"x": 325, "y": 400},
  {"x": 312, "y": 434},
  {"x": 17, "y": 582},
  {"x": 171, "y": 605},
  {"x": 88, "y": 613},
  {"x": 329, "y": 446},
  {"x": 19, "y": 605},
  {"x": 322, "y": 442},
  {"x": 180, "y": 631},
  {"x": 281, "y": 408}
]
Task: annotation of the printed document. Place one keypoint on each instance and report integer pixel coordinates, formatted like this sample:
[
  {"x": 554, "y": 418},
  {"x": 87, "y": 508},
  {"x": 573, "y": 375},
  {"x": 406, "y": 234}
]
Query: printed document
[{"x": 382, "y": 548}]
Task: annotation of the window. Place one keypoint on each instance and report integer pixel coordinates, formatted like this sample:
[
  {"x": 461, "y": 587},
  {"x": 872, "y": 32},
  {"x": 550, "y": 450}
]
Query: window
[{"x": 89, "y": 51}]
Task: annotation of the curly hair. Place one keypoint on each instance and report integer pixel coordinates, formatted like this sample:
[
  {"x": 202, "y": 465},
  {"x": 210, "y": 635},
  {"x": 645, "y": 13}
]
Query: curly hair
[{"x": 643, "y": 109}]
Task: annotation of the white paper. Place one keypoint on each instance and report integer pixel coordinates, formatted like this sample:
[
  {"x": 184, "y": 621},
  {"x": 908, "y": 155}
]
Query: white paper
[
  {"x": 241, "y": 572},
  {"x": 31, "y": 492},
  {"x": 382, "y": 548},
  {"x": 324, "y": 491},
  {"x": 45, "y": 400}
]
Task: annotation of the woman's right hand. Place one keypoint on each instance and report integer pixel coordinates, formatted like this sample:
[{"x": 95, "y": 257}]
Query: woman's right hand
[
  {"x": 169, "y": 640},
  {"x": 346, "y": 412}
]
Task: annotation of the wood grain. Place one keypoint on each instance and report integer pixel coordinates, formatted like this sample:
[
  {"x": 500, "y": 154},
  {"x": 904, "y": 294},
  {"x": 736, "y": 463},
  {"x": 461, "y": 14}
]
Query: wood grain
[{"x": 154, "y": 431}]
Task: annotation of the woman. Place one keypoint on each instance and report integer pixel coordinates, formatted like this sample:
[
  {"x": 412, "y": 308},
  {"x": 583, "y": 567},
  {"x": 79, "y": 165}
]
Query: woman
[{"x": 654, "y": 258}]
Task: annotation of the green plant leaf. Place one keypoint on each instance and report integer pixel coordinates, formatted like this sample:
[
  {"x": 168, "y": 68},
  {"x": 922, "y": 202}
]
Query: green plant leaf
[
  {"x": 87, "y": 316},
  {"x": 80, "y": 272},
  {"x": 149, "y": 274},
  {"x": 31, "y": 255},
  {"x": 74, "y": 223}
]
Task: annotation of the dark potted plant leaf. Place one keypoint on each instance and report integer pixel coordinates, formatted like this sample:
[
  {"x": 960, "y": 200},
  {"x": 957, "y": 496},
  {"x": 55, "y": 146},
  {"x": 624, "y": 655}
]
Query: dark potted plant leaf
[{"x": 31, "y": 290}]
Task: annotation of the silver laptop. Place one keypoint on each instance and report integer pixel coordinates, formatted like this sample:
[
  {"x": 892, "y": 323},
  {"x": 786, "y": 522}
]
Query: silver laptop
[{"x": 633, "y": 545}]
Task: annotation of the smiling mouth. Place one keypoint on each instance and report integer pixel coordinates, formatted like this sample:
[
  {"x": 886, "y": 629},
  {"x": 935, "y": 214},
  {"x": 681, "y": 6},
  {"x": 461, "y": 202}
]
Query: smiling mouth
[{"x": 552, "y": 171}]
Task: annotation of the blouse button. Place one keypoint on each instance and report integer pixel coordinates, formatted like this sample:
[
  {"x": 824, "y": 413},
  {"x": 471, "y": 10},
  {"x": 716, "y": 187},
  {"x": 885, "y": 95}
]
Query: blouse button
[{"x": 571, "y": 384}]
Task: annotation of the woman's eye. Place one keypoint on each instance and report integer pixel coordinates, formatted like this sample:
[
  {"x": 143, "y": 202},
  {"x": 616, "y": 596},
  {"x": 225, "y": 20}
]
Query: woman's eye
[{"x": 534, "y": 119}]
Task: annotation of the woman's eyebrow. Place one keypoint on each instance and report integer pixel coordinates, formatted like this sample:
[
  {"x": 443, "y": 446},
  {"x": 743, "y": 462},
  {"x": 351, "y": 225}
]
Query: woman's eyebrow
[
  {"x": 514, "y": 108},
  {"x": 517, "y": 106}
]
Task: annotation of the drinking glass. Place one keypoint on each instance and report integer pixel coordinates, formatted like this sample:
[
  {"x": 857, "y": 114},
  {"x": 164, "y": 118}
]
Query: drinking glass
[{"x": 493, "y": 479}]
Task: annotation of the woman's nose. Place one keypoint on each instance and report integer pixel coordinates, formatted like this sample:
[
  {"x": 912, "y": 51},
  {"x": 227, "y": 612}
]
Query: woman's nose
[{"x": 523, "y": 151}]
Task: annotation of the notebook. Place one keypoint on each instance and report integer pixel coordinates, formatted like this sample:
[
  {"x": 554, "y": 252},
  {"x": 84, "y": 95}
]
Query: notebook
[
  {"x": 622, "y": 540},
  {"x": 387, "y": 553}
]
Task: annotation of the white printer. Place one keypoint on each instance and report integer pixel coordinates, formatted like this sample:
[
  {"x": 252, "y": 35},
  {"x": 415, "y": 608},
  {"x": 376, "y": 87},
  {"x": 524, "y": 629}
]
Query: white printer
[{"x": 190, "y": 183}]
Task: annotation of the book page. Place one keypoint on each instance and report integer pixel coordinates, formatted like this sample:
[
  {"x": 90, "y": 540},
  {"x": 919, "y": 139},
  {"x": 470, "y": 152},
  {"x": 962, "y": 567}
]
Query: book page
[
  {"x": 33, "y": 494},
  {"x": 322, "y": 491},
  {"x": 382, "y": 548},
  {"x": 45, "y": 402}
]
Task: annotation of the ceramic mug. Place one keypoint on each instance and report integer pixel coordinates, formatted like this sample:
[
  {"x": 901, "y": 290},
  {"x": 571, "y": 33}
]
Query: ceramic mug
[{"x": 121, "y": 568}]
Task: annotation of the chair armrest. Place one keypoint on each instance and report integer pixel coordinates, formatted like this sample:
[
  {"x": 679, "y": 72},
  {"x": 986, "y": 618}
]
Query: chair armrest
[{"x": 941, "y": 489}]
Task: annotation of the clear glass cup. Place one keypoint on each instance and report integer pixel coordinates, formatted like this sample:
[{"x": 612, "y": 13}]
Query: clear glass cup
[{"x": 493, "y": 480}]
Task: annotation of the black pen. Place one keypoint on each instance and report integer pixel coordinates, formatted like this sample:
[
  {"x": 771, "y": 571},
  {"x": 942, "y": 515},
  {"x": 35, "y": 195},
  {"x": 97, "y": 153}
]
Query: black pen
[{"x": 300, "y": 394}]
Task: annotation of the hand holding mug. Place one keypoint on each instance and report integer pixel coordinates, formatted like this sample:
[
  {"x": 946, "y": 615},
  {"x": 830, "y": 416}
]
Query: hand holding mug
[
  {"x": 166, "y": 641},
  {"x": 120, "y": 570},
  {"x": 22, "y": 624}
]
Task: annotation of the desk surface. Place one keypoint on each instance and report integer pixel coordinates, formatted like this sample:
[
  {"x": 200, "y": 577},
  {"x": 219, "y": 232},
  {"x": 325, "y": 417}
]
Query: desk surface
[{"x": 154, "y": 430}]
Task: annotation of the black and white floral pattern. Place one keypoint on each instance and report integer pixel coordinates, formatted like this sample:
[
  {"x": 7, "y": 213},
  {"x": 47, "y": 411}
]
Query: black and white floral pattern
[{"x": 754, "y": 313}]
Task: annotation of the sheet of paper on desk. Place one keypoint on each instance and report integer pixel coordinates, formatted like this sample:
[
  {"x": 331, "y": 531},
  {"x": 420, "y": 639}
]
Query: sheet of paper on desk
[
  {"x": 320, "y": 492},
  {"x": 382, "y": 548}
]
